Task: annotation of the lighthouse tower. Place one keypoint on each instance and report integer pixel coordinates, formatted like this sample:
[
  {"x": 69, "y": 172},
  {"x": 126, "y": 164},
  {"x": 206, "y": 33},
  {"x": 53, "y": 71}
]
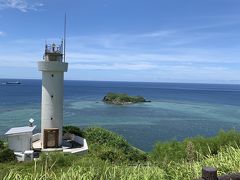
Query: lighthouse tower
[{"x": 53, "y": 67}]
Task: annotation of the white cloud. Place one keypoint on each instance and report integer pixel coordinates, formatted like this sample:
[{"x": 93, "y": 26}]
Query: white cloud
[
  {"x": 21, "y": 5},
  {"x": 114, "y": 66},
  {"x": 19, "y": 60},
  {"x": 157, "y": 34},
  {"x": 179, "y": 55},
  {"x": 197, "y": 74}
]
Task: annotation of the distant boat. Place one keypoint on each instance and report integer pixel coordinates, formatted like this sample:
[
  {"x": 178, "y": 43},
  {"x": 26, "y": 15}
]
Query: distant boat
[{"x": 11, "y": 82}]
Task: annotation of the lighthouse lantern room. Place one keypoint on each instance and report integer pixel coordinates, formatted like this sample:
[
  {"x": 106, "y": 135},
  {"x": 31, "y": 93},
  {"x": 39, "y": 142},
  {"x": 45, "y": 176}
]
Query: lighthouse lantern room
[{"x": 53, "y": 67}]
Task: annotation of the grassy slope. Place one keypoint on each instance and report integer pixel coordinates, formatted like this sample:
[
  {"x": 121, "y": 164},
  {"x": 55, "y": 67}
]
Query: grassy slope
[
  {"x": 111, "y": 157},
  {"x": 88, "y": 167}
]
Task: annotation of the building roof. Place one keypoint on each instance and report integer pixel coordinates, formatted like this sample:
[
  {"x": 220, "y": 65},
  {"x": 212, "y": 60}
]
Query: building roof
[{"x": 20, "y": 130}]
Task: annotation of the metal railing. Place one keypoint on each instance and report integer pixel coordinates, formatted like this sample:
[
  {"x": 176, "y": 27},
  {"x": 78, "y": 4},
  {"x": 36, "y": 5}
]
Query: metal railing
[{"x": 53, "y": 48}]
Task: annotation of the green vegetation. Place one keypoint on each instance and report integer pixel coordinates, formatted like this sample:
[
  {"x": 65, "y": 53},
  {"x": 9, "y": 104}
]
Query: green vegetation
[
  {"x": 190, "y": 148},
  {"x": 109, "y": 146},
  {"x": 6, "y": 155},
  {"x": 112, "y": 157},
  {"x": 121, "y": 99},
  {"x": 227, "y": 161},
  {"x": 73, "y": 130}
]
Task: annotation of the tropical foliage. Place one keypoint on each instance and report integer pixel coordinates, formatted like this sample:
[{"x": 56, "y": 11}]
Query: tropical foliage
[
  {"x": 112, "y": 157},
  {"x": 6, "y": 155},
  {"x": 115, "y": 98}
]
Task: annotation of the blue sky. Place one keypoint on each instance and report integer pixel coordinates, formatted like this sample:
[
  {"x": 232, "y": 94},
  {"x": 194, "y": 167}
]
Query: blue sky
[{"x": 125, "y": 40}]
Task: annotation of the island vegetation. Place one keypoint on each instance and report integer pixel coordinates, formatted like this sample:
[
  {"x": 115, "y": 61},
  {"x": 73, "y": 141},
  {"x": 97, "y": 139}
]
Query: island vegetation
[
  {"x": 110, "y": 156},
  {"x": 121, "y": 99}
]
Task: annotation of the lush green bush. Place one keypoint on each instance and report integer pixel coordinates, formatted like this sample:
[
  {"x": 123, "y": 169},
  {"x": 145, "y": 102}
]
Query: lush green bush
[
  {"x": 73, "y": 130},
  {"x": 96, "y": 135},
  {"x": 6, "y": 155},
  {"x": 135, "y": 155},
  {"x": 112, "y": 155},
  {"x": 110, "y": 146},
  {"x": 1, "y": 145},
  {"x": 122, "y": 98},
  {"x": 190, "y": 148}
]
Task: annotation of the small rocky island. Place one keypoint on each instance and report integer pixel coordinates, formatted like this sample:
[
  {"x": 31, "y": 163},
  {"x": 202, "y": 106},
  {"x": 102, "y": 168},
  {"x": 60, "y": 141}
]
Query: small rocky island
[{"x": 122, "y": 99}]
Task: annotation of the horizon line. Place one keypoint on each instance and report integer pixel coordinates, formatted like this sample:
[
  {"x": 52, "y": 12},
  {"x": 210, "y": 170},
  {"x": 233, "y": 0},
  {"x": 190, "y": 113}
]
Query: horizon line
[{"x": 123, "y": 81}]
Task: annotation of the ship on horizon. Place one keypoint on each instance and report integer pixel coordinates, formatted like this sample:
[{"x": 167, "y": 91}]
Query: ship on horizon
[{"x": 11, "y": 82}]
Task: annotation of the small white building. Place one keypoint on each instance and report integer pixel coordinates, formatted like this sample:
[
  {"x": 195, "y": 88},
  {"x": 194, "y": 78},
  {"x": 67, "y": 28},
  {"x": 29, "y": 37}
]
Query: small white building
[{"x": 20, "y": 138}]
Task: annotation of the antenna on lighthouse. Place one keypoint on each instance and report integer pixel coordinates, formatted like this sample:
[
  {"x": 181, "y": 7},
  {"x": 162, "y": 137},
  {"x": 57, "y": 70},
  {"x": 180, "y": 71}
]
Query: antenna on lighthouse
[{"x": 64, "y": 41}]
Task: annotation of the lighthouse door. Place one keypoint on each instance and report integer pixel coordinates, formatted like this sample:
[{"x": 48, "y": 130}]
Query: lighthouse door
[{"x": 51, "y": 138}]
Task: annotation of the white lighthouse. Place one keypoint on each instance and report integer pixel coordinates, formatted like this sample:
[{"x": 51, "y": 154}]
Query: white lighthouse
[
  {"x": 21, "y": 139},
  {"x": 53, "y": 68}
]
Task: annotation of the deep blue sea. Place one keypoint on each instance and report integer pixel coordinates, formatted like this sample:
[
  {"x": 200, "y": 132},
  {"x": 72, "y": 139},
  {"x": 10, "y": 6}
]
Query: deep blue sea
[{"x": 177, "y": 110}]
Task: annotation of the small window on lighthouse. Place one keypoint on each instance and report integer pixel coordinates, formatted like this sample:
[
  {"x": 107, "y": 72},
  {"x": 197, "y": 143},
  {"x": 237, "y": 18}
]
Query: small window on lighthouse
[
  {"x": 51, "y": 96},
  {"x": 51, "y": 118},
  {"x": 52, "y": 75}
]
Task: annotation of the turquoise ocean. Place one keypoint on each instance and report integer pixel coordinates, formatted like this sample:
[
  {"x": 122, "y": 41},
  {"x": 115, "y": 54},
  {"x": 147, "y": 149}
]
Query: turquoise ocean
[{"x": 177, "y": 110}]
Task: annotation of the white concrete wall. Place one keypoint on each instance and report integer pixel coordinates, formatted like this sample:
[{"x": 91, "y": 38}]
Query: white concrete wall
[
  {"x": 79, "y": 140},
  {"x": 52, "y": 85},
  {"x": 52, "y": 66},
  {"x": 36, "y": 137},
  {"x": 20, "y": 142}
]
